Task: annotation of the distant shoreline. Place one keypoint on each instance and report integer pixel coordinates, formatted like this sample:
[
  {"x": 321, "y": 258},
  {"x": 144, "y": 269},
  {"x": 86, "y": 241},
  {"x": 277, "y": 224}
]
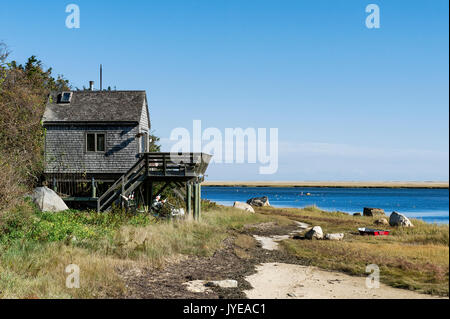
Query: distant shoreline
[{"x": 441, "y": 185}]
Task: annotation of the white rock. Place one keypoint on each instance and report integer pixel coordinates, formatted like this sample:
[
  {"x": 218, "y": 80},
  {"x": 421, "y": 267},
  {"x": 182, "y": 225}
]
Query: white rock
[
  {"x": 243, "y": 206},
  {"x": 228, "y": 283},
  {"x": 397, "y": 219},
  {"x": 315, "y": 232},
  {"x": 203, "y": 286},
  {"x": 48, "y": 201},
  {"x": 197, "y": 286},
  {"x": 338, "y": 236}
]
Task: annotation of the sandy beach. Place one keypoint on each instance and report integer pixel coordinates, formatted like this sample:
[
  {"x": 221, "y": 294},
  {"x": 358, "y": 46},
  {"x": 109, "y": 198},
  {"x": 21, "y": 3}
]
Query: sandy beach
[
  {"x": 286, "y": 281},
  {"x": 327, "y": 184}
]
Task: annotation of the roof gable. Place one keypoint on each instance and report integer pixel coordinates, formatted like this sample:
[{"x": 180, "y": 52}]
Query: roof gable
[
  {"x": 144, "y": 123},
  {"x": 95, "y": 106}
]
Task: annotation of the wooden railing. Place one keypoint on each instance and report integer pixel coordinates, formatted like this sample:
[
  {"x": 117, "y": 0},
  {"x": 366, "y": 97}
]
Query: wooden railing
[
  {"x": 173, "y": 164},
  {"x": 155, "y": 165}
]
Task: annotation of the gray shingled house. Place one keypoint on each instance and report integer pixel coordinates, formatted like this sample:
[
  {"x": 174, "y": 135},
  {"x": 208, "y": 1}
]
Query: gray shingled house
[
  {"x": 96, "y": 151},
  {"x": 98, "y": 133}
]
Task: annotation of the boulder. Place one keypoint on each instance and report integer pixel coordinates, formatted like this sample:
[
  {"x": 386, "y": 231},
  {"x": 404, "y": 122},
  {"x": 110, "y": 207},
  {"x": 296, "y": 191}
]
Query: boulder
[
  {"x": 259, "y": 201},
  {"x": 373, "y": 211},
  {"x": 47, "y": 200},
  {"x": 381, "y": 221},
  {"x": 338, "y": 236},
  {"x": 357, "y": 214},
  {"x": 397, "y": 219},
  {"x": 243, "y": 206},
  {"x": 315, "y": 232},
  {"x": 227, "y": 283}
]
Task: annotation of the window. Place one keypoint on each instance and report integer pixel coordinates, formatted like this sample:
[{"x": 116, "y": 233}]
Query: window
[
  {"x": 100, "y": 142},
  {"x": 144, "y": 142},
  {"x": 95, "y": 142},
  {"x": 90, "y": 143},
  {"x": 65, "y": 97}
]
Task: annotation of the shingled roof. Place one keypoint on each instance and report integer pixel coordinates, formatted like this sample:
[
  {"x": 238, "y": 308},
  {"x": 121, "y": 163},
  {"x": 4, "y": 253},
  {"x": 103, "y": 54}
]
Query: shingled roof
[{"x": 95, "y": 106}]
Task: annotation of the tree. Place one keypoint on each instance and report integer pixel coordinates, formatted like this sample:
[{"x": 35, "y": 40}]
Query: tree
[
  {"x": 24, "y": 90},
  {"x": 154, "y": 143},
  {"x": 41, "y": 78}
]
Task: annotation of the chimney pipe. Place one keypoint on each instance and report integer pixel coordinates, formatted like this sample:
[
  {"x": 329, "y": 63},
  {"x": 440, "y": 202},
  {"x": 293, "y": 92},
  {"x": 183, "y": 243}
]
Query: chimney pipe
[{"x": 91, "y": 85}]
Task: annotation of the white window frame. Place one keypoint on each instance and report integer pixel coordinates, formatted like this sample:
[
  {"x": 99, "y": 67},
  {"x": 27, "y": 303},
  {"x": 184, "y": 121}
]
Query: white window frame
[{"x": 70, "y": 97}]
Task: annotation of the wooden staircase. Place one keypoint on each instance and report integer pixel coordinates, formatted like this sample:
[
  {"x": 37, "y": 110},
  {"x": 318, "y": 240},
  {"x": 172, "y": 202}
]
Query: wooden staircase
[{"x": 164, "y": 167}]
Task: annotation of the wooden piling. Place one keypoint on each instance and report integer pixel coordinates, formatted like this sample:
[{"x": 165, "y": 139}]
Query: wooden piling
[
  {"x": 195, "y": 200},
  {"x": 94, "y": 189},
  {"x": 188, "y": 199}
]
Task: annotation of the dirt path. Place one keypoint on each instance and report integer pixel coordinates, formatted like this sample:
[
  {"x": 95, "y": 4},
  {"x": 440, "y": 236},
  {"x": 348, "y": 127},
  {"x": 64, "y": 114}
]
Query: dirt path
[{"x": 262, "y": 270}]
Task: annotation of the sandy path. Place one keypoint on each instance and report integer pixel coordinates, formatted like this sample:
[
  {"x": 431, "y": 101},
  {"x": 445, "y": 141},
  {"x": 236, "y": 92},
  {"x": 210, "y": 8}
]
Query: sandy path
[
  {"x": 271, "y": 243},
  {"x": 286, "y": 281}
]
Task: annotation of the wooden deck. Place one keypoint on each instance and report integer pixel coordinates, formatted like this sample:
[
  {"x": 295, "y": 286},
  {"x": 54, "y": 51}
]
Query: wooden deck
[{"x": 158, "y": 167}]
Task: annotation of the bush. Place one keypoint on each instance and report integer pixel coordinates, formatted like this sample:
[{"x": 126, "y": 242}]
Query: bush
[{"x": 28, "y": 223}]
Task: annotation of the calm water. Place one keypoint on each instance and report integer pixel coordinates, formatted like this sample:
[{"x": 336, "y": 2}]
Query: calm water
[{"x": 430, "y": 205}]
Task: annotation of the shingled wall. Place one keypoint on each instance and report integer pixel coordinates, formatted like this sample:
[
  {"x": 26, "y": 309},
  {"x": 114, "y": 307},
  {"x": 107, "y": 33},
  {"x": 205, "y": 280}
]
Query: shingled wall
[{"x": 65, "y": 149}]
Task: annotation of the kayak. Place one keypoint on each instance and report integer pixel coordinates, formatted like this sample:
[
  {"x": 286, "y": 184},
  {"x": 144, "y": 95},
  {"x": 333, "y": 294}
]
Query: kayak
[{"x": 373, "y": 232}]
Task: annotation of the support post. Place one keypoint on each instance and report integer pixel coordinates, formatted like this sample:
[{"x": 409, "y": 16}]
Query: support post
[
  {"x": 197, "y": 201},
  {"x": 148, "y": 194},
  {"x": 188, "y": 199},
  {"x": 199, "y": 198},
  {"x": 94, "y": 190}
]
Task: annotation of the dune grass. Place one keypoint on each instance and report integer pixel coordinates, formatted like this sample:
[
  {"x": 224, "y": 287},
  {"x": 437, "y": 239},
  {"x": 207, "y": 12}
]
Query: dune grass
[{"x": 413, "y": 258}]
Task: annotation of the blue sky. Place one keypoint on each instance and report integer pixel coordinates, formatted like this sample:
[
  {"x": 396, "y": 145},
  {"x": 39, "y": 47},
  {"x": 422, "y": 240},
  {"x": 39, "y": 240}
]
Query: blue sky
[{"x": 350, "y": 103}]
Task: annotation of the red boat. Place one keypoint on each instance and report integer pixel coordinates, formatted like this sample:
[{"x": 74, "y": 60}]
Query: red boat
[{"x": 373, "y": 232}]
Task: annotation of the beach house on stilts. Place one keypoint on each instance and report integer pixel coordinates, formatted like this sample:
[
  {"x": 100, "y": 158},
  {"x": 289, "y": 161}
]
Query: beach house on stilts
[{"x": 97, "y": 151}]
